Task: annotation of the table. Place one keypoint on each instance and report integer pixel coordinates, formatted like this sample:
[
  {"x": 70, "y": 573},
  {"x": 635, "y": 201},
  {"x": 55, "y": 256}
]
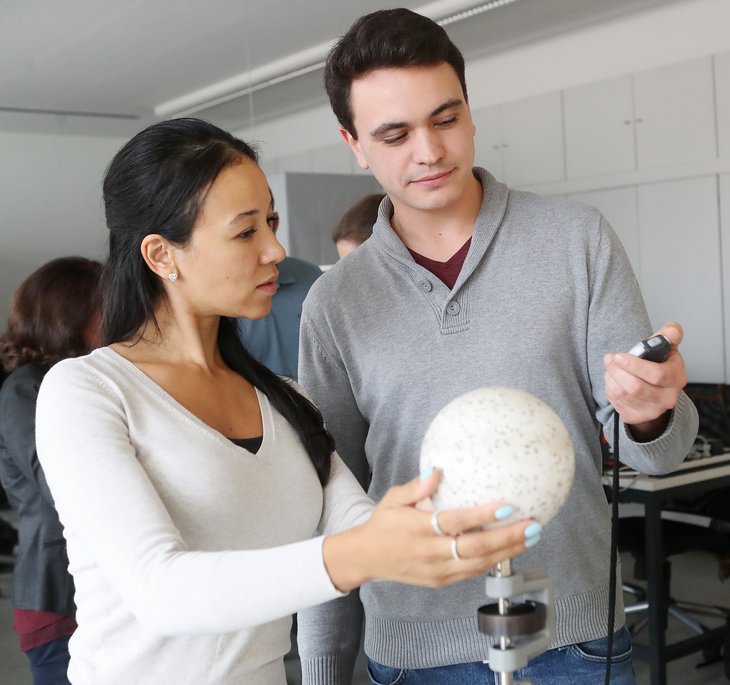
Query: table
[{"x": 692, "y": 478}]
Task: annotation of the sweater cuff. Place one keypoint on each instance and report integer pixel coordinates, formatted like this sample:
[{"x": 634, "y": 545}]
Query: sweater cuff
[
  {"x": 667, "y": 451},
  {"x": 327, "y": 670},
  {"x": 677, "y": 417}
]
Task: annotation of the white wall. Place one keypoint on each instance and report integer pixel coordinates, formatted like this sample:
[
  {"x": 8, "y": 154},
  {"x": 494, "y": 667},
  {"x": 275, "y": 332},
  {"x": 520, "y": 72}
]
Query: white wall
[
  {"x": 50, "y": 203},
  {"x": 664, "y": 35}
]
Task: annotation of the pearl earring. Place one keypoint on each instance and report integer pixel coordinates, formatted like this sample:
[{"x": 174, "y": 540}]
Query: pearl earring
[{"x": 172, "y": 276}]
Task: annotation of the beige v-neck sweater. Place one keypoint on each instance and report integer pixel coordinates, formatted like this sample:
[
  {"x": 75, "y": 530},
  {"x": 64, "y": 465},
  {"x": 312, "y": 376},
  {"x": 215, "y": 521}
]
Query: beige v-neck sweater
[{"x": 189, "y": 553}]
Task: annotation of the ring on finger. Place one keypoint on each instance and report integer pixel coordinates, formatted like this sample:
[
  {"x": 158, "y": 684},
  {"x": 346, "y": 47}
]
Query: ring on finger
[
  {"x": 435, "y": 523},
  {"x": 454, "y": 550}
]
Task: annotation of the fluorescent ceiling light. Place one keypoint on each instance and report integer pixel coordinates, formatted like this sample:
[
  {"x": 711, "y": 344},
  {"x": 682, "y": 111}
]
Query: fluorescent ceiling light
[{"x": 444, "y": 12}]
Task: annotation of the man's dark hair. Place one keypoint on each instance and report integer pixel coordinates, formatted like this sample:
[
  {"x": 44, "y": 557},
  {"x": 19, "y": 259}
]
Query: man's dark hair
[
  {"x": 357, "y": 222},
  {"x": 381, "y": 40}
]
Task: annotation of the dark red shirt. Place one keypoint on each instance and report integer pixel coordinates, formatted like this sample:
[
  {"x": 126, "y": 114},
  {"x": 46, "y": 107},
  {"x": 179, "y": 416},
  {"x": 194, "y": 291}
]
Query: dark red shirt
[
  {"x": 35, "y": 628},
  {"x": 447, "y": 272}
]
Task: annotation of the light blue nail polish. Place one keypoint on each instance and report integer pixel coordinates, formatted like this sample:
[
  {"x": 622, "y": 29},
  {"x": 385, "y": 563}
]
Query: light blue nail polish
[
  {"x": 531, "y": 542},
  {"x": 503, "y": 512},
  {"x": 532, "y": 530},
  {"x": 426, "y": 473}
]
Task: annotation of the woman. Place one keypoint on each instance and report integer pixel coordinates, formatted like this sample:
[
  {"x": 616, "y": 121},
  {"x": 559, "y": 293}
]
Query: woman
[
  {"x": 54, "y": 315},
  {"x": 191, "y": 480}
]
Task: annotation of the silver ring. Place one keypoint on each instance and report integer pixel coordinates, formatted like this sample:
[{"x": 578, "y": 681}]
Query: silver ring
[
  {"x": 454, "y": 551},
  {"x": 435, "y": 523}
]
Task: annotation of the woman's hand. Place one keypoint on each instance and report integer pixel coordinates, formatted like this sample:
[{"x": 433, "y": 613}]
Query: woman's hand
[{"x": 400, "y": 543}]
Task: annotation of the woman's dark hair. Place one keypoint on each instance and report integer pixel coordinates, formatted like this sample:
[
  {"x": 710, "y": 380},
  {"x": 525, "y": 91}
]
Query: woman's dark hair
[
  {"x": 157, "y": 183},
  {"x": 381, "y": 40},
  {"x": 51, "y": 312},
  {"x": 357, "y": 222}
]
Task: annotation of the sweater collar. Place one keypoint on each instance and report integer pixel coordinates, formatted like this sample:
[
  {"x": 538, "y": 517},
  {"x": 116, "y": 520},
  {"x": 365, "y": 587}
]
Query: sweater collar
[{"x": 494, "y": 205}]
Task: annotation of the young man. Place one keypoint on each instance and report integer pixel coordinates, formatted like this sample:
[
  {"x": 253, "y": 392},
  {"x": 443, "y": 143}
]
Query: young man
[{"x": 466, "y": 283}]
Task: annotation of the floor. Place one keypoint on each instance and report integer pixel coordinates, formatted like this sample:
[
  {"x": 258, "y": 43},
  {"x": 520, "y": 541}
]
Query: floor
[{"x": 694, "y": 575}]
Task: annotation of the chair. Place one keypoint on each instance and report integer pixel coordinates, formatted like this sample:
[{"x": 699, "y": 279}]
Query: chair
[{"x": 681, "y": 532}]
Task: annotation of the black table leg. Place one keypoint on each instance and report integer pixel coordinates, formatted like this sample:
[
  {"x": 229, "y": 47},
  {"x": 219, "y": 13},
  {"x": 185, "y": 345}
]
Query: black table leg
[{"x": 657, "y": 611}]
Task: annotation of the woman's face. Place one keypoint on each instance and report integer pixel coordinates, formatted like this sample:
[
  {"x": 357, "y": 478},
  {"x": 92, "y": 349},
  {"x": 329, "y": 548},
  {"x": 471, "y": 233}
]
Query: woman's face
[{"x": 229, "y": 266}]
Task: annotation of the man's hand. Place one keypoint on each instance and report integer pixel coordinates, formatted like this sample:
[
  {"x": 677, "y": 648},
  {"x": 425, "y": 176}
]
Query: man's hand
[{"x": 643, "y": 392}]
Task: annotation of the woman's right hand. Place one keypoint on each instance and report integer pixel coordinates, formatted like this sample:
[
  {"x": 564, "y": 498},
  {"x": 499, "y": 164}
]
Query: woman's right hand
[{"x": 399, "y": 543}]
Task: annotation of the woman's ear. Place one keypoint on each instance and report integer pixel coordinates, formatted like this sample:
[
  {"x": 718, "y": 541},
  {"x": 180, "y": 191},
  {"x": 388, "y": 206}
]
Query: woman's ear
[{"x": 158, "y": 255}]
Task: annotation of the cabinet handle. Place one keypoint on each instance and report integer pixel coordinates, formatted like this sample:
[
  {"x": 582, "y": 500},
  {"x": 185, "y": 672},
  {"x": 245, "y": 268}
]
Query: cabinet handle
[
  {"x": 639, "y": 120},
  {"x": 505, "y": 145},
  {"x": 627, "y": 122},
  {"x": 496, "y": 147}
]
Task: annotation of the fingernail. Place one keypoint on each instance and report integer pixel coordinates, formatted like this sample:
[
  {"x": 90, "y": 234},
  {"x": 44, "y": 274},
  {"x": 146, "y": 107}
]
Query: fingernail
[
  {"x": 531, "y": 542},
  {"x": 532, "y": 530},
  {"x": 426, "y": 472},
  {"x": 503, "y": 512}
]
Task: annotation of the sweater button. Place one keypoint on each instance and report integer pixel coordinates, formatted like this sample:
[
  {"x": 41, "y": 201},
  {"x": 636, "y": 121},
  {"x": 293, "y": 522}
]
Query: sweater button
[
  {"x": 453, "y": 308},
  {"x": 426, "y": 286}
]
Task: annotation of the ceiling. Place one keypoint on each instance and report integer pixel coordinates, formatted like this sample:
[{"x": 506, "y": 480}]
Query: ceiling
[{"x": 105, "y": 67}]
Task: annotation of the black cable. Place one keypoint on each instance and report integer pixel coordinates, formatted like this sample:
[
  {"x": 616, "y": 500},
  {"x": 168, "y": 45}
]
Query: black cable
[
  {"x": 656, "y": 349},
  {"x": 614, "y": 548}
]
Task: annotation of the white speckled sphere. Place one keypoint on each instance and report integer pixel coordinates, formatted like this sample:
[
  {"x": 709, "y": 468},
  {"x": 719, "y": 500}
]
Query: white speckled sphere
[{"x": 500, "y": 445}]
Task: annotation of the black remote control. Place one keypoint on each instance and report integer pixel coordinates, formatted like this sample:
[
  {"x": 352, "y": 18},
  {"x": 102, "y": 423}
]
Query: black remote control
[{"x": 655, "y": 349}]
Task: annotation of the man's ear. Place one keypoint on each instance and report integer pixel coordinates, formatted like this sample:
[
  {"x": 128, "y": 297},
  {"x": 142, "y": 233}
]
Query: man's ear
[
  {"x": 354, "y": 145},
  {"x": 158, "y": 255}
]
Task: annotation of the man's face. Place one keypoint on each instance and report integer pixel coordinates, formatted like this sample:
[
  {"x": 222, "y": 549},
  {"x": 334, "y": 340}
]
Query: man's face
[{"x": 415, "y": 134}]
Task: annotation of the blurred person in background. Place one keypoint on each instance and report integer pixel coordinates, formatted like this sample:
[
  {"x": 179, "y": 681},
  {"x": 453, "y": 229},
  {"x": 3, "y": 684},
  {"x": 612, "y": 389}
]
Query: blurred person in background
[
  {"x": 54, "y": 315},
  {"x": 356, "y": 224}
]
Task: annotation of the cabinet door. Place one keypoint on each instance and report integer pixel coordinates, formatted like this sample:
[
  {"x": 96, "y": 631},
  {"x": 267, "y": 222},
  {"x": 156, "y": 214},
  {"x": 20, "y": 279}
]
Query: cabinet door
[
  {"x": 722, "y": 85},
  {"x": 532, "y": 135},
  {"x": 679, "y": 240},
  {"x": 725, "y": 232},
  {"x": 599, "y": 128},
  {"x": 618, "y": 205},
  {"x": 675, "y": 117},
  {"x": 488, "y": 140}
]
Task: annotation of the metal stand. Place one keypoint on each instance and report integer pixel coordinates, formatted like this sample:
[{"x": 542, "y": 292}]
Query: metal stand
[{"x": 524, "y": 629}]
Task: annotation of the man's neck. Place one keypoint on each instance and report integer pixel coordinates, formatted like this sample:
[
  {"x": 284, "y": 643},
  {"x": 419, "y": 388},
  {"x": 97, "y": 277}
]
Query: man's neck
[{"x": 439, "y": 233}]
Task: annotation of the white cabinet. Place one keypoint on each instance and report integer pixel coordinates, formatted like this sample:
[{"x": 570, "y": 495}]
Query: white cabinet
[
  {"x": 722, "y": 88},
  {"x": 675, "y": 118},
  {"x": 619, "y": 207},
  {"x": 522, "y": 142},
  {"x": 532, "y": 131},
  {"x": 671, "y": 234},
  {"x": 599, "y": 128},
  {"x": 679, "y": 243},
  {"x": 725, "y": 232},
  {"x": 488, "y": 141},
  {"x": 654, "y": 118}
]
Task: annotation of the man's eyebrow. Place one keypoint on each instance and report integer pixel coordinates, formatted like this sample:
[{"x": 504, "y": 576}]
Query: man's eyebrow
[
  {"x": 394, "y": 125},
  {"x": 386, "y": 128},
  {"x": 449, "y": 104}
]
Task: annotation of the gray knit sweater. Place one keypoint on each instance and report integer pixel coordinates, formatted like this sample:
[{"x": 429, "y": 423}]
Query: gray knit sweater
[{"x": 545, "y": 291}]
